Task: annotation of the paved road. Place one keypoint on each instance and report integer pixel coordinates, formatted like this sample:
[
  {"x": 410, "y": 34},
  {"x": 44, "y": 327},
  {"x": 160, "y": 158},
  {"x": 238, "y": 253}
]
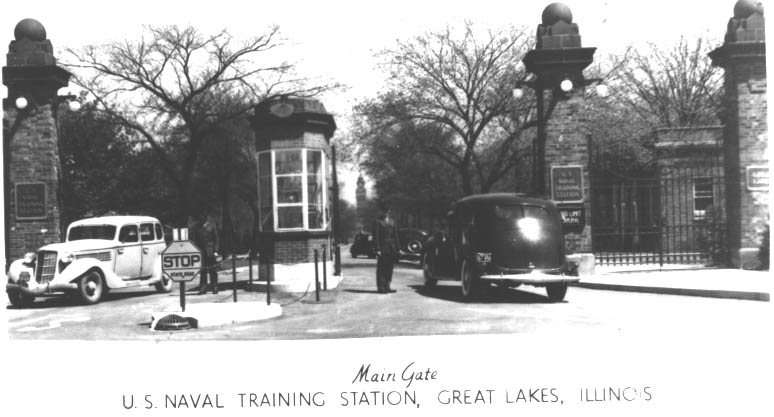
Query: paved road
[{"x": 356, "y": 310}]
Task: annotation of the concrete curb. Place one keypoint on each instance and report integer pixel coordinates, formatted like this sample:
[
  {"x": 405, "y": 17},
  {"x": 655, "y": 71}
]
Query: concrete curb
[{"x": 696, "y": 292}]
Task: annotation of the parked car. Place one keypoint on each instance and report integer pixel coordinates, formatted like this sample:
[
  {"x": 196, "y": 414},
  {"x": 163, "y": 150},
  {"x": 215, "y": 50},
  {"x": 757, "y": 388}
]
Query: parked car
[
  {"x": 412, "y": 243},
  {"x": 363, "y": 244},
  {"x": 99, "y": 254},
  {"x": 505, "y": 239}
]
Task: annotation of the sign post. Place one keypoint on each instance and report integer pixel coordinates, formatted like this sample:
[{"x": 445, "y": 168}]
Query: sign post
[{"x": 181, "y": 262}]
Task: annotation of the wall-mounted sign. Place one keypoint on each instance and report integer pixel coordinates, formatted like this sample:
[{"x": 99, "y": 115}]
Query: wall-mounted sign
[
  {"x": 31, "y": 201},
  {"x": 567, "y": 184},
  {"x": 573, "y": 218},
  {"x": 757, "y": 178}
]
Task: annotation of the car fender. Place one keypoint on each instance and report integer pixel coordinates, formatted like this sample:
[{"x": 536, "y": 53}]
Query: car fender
[
  {"x": 16, "y": 268},
  {"x": 79, "y": 267}
]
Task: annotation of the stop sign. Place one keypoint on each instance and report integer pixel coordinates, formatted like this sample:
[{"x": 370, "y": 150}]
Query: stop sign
[{"x": 181, "y": 261}]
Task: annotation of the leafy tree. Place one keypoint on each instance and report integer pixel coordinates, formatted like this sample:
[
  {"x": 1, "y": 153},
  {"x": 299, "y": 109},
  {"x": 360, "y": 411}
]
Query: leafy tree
[
  {"x": 179, "y": 81},
  {"x": 105, "y": 169}
]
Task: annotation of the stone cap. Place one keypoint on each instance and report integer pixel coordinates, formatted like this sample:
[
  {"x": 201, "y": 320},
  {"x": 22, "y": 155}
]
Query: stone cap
[
  {"x": 30, "y": 47},
  {"x": 557, "y": 30},
  {"x": 748, "y": 23},
  {"x": 708, "y": 137}
]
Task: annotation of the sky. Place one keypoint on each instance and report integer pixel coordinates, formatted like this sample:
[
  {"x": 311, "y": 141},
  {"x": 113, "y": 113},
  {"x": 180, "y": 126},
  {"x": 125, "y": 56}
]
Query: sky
[{"x": 337, "y": 39}]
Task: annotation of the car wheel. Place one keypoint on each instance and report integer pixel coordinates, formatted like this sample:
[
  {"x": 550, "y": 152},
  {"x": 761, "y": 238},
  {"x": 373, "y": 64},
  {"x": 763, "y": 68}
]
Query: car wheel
[
  {"x": 165, "y": 285},
  {"x": 427, "y": 271},
  {"x": 414, "y": 246},
  {"x": 91, "y": 287},
  {"x": 470, "y": 283},
  {"x": 20, "y": 300},
  {"x": 556, "y": 291}
]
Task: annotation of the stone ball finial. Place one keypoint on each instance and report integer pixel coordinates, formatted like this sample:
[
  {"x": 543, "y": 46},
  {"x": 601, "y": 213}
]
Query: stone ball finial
[
  {"x": 745, "y": 8},
  {"x": 555, "y": 12},
  {"x": 30, "y": 29}
]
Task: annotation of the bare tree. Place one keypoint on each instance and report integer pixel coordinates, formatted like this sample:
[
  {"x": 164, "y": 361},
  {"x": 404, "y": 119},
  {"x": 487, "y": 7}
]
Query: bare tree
[
  {"x": 672, "y": 87},
  {"x": 461, "y": 84},
  {"x": 175, "y": 80}
]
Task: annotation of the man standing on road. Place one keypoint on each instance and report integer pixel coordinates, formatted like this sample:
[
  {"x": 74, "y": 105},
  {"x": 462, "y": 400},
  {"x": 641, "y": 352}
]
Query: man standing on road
[
  {"x": 386, "y": 241},
  {"x": 208, "y": 241}
]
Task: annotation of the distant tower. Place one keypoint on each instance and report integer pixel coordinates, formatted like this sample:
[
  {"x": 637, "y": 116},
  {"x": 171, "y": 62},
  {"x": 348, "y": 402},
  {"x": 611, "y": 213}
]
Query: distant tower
[{"x": 360, "y": 201}]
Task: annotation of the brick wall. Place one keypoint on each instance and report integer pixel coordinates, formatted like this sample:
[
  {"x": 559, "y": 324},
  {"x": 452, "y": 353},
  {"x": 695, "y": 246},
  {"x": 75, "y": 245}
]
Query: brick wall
[
  {"x": 33, "y": 158},
  {"x": 567, "y": 144},
  {"x": 746, "y": 144}
]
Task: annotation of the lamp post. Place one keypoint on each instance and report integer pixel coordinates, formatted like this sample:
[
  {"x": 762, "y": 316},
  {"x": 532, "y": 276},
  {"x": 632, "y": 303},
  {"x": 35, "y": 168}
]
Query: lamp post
[
  {"x": 557, "y": 63},
  {"x": 559, "y": 91}
]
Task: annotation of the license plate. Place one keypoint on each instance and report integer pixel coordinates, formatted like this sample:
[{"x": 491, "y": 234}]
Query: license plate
[{"x": 484, "y": 258}]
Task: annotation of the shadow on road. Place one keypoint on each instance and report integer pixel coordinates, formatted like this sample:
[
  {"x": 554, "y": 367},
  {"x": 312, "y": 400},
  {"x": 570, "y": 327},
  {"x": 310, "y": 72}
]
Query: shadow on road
[
  {"x": 490, "y": 295},
  {"x": 69, "y": 300},
  {"x": 362, "y": 291}
]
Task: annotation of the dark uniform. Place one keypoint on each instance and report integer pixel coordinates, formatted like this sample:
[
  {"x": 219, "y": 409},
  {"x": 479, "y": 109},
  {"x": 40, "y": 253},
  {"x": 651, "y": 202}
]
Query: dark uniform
[
  {"x": 386, "y": 241},
  {"x": 207, "y": 240}
]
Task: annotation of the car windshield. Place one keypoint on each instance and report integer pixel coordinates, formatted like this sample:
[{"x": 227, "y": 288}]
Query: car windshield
[{"x": 103, "y": 232}]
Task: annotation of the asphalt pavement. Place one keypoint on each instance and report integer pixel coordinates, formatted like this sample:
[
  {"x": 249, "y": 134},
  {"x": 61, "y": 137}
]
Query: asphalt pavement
[{"x": 689, "y": 280}]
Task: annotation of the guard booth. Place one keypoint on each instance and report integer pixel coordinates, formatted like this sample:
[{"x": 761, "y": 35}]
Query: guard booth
[{"x": 293, "y": 154}]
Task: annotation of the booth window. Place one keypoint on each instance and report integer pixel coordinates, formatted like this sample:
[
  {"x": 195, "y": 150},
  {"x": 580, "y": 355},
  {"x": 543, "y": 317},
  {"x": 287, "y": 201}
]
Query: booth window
[
  {"x": 291, "y": 190},
  {"x": 703, "y": 198}
]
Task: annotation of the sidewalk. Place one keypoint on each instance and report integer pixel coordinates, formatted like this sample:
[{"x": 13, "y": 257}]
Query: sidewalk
[{"x": 702, "y": 282}]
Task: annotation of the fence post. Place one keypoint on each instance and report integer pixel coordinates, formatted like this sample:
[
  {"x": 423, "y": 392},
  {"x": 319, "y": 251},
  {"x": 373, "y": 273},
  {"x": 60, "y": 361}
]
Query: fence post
[
  {"x": 269, "y": 279},
  {"x": 316, "y": 276},
  {"x": 233, "y": 275},
  {"x": 325, "y": 267}
]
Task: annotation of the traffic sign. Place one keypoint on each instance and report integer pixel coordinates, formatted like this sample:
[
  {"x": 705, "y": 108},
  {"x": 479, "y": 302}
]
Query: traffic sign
[{"x": 181, "y": 261}]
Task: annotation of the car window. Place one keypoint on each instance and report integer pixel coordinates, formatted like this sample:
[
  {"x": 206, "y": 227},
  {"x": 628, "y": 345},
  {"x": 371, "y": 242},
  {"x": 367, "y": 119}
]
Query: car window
[
  {"x": 146, "y": 232},
  {"x": 159, "y": 232},
  {"x": 103, "y": 232},
  {"x": 129, "y": 234}
]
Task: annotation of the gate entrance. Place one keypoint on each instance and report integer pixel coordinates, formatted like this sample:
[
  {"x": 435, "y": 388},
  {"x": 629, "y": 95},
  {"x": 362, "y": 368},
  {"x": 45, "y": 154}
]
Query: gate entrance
[{"x": 674, "y": 216}]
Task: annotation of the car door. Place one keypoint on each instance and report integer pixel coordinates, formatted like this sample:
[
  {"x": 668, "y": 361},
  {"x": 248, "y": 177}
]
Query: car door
[
  {"x": 151, "y": 248},
  {"x": 129, "y": 252}
]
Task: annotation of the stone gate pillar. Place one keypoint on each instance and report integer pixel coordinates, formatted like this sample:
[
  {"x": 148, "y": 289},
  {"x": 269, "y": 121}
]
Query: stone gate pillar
[
  {"x": 561, "y": 151},
  {"x": 294, "y": 192},
  {"x": 745, "y": 142},
  {"x": 31, "y": 141}
]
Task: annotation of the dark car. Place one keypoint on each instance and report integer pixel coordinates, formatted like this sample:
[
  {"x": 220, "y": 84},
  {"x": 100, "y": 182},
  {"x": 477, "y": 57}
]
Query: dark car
[
  {"x": 505, "y": 239},
  {"x": 412, "y": 243},
  {"x": 364, "y": 245}
]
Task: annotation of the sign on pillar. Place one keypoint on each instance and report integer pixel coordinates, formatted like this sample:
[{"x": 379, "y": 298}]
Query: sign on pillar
[{"x": 181, "y": 262}]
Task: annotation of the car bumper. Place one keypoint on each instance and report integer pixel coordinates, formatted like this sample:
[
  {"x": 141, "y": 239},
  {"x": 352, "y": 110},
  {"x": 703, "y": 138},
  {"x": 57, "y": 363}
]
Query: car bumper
[
  {"x": 534, "y": 278},
  {"x": 40, "y": 289}
]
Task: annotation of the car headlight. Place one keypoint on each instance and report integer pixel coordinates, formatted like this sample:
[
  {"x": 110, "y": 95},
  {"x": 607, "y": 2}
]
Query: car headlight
[
  {"x": 29, "y": 258},
  {"x": 67, "y": 257},
  {"x": 530, "y": 228}
]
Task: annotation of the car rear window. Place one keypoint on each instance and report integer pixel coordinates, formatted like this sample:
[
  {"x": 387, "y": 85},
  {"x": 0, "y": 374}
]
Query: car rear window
[
  {"x": 102, "y": 232},
  {"x": 507, "y": 216}
]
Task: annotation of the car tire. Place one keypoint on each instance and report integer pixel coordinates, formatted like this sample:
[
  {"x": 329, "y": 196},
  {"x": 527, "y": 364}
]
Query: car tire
[
  {"x": 414, "y": 246},
  {"x": 91, "y": 287},
  {"x": 165, "y": 285},
  {"x": 469, "y": 282},
  {"x": 20, "y": 300},
  {"x": 556, "y": 291},
  {"x": 427, "y": 271}
]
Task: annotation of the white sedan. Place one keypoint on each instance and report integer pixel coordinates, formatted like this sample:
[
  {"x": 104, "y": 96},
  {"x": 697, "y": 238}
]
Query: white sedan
[{"x": 99, "y": 254}]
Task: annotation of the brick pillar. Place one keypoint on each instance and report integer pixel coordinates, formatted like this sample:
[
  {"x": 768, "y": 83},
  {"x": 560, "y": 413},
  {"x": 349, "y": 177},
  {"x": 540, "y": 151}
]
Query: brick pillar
[
  {"x": 745, "y": 142},
  {"x": 31, "y": 141},
  {"x": 562, "y": 157},
  {"x": 567, "y": 151}
]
